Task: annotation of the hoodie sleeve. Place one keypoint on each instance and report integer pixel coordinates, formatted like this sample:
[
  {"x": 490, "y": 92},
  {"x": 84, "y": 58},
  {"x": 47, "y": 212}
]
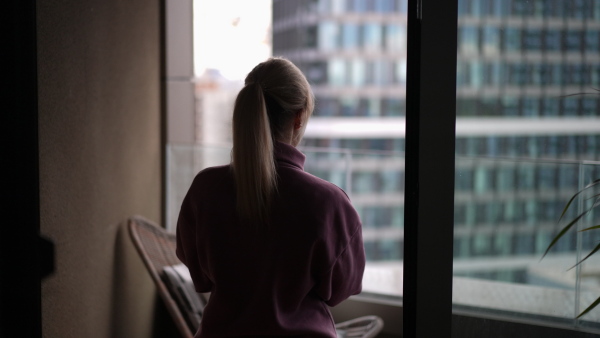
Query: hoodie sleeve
[
  {"x": 340, "y": 255},
  {"x": 344, "y": 279},
  {"x": 187, "y": 249}
]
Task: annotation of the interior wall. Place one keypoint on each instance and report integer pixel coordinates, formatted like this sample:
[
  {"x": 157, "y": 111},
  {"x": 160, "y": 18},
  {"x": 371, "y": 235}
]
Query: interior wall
[{"x": 100, "y": 161}]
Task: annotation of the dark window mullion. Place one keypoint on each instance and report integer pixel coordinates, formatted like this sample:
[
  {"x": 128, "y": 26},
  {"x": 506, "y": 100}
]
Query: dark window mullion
[{"x": 429, "y": 191}]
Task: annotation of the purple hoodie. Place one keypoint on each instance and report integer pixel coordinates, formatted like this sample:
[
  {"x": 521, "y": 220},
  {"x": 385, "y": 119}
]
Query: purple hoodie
[{"x": 275, "y": 280}]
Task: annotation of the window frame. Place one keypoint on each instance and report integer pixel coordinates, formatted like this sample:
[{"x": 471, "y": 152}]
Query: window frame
[
  {"x": 430, "y": 137},
  {"x": 430, "y": 170}
]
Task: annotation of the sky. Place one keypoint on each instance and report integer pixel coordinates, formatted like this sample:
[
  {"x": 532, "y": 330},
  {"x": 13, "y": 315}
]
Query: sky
[{"x": 232, "y": 36}]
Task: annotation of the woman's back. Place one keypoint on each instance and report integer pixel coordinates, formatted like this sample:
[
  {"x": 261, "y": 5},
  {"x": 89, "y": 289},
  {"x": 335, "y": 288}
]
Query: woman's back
[{"x": 275, "y": 279}]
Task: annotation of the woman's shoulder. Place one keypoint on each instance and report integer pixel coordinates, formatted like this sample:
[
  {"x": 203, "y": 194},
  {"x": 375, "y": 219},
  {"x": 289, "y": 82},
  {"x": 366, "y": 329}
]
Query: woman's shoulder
[
  {"x": 214, "y": 171},
  {"x": 212, "y": 175},
  {"x": 315, "y": 188},
  {"x": 327, "y": 186}
]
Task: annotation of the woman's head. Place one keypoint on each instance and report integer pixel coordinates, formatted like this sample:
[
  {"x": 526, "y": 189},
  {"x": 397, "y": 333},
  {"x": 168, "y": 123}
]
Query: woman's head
[
  {"x": 286, "y": 93},
  {"x": 274, "y": 105}
]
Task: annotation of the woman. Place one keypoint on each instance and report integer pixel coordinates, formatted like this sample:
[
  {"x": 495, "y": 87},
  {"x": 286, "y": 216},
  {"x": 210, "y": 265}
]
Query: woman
[{"x": 273, "y": 244}]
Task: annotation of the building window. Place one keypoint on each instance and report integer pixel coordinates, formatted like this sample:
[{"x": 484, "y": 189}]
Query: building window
[
  {"x": 372, "y": 35},
  {"x": 533, "y": 39},
  {"x": 350, "y": 36},
  {"x": 469, "y": 39},
  {"x": 573, "y": 41},
  {"x": 329, "y": 36},
  {"x": 552, "y": 40},
  {"x": 491, "y": 40},
  {"x": 512, "y": 39}
]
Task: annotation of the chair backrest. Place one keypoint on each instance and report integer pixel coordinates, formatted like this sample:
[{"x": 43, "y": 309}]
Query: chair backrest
[
  {"x": 361, "y": 327},
  {"x": 157, "y": 247}
]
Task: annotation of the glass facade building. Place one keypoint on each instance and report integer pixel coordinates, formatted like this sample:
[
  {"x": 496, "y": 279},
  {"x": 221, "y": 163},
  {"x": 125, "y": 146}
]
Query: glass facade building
[
  {"x": 527, "y": 119},
  {"x": 354, "y": 55}
]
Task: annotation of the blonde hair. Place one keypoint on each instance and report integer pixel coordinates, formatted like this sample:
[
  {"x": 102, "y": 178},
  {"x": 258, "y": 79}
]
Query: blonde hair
[{"x": 274, "y": 92}]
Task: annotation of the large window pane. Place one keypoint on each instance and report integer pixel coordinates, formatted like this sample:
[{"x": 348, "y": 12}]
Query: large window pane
[
  {"x": 512, "y": 183},
  {"x": 355, "y": 139}
]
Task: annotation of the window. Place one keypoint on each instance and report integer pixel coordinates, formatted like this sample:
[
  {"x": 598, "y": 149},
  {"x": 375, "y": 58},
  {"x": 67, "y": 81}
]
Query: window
[
  {"x": 316, "y": 73},
  {"x": 552, "y": 40},
  {"x": 517, "y": 74},
  {"x": 512, "y": 39},
  {"x": 491, "y": 40},
  {"x": 325, "y": 106},
  {"x": 476, "y": 73},
  {"x": 533, "y": 39},
  {"x": 511, "y": 185},
  {"x": 570, "y": 106},
  {"x": 539, "y": 74},
  {"x": 510, "y": 106},
  {"x": 576, "y": 9},
  {"x": 329, "y": 36},
  {"x": 573, "y": 41},
  {"x": 309, "y": 35},
  {"x": 500, "y": 8},
  {"x": 469, "y": 38},
  {"x": 557, "y": 74},
  {"x": 350, "y": 36},
  {"x": 348, "y": 106},
  {"x": 521, "y": 8},
  {"x": 530, "y": 106},
  {"x": 511, "y": 65},
  {"x": 592, "y": 38},
  {"x": 589, "y": 106},
  {"x": 395, "y": 37},
  {"x": 372, "y": 35},
  {"x": 337, "y": 72},
  {"x": 392, "y": 107},
  {"x": 358, "y": 73}
]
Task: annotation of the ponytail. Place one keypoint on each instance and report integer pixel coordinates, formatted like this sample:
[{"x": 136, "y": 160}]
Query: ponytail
[
  {"x": 274, "y": 92},
  {"x": 252, "y": 156}
]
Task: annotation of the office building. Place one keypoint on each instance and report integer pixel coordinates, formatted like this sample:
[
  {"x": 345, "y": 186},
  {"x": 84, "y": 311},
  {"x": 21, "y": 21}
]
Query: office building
[{"x": 521, "y": 134}]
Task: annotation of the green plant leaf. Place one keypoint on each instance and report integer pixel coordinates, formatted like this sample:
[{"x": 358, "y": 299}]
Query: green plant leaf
[
  {"x": 586, "y": 257},
  {"x": 590, "y": 308},
  {"x": 562, "y": 232},
  {"x": 577, "y": 94},
  {"x": 593, "y": 183},
  {"x": 590, "y": 228},
  {"x": 597, "y": 197},
  {"x": 582, "y": 93}
]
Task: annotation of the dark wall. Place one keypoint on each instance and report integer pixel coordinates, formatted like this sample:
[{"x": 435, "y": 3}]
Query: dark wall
[{"x": 100, "y": 161}]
